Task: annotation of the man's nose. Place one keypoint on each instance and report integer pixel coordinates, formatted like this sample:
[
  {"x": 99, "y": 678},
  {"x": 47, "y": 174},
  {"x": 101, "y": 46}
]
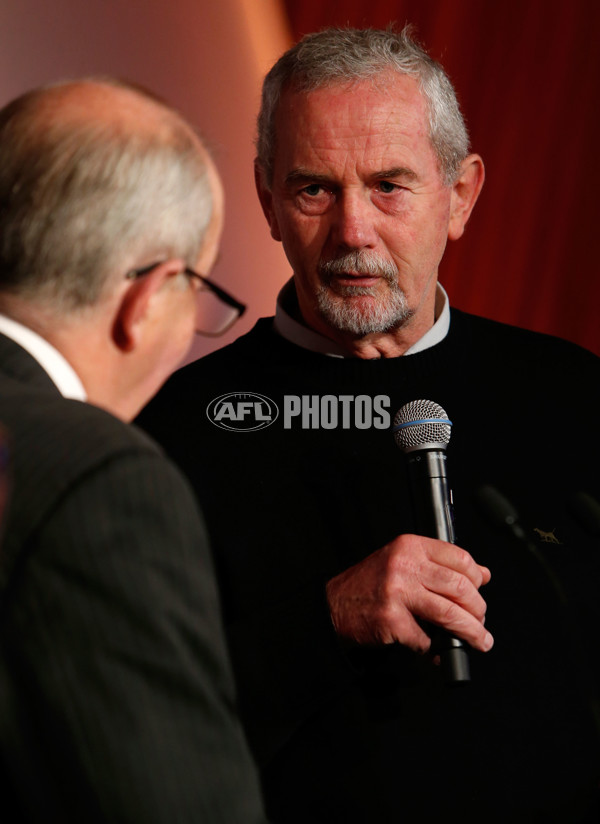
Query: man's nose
[{"x": 353, "y": 225}]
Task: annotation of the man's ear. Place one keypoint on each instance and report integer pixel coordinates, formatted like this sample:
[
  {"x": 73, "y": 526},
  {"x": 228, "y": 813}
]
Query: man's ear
[
  {"x": 135, "y": 303},
  {"x": 266, "y": 200},
  {"x": 464, "y": 194}
]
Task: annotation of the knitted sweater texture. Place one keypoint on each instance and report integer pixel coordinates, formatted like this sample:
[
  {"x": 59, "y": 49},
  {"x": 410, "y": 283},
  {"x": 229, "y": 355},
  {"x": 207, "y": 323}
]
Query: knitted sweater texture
[{"x": 305, "y": 480}]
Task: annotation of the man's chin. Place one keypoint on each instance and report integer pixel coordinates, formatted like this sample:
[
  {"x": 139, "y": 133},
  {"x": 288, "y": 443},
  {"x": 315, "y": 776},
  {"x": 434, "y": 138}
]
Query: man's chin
[
  {"x": 342, "y": 292},
  {"x": 362, "y": 315}
]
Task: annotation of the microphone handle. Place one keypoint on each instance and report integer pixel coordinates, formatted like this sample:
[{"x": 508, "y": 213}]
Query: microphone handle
[{"x": 432, "y": 499}]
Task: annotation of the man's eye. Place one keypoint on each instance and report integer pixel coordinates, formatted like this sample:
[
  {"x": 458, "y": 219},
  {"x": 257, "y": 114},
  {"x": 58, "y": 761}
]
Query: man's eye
[
  {"x": 386, "y": 187},
  {"x": 313, "y": 190}
]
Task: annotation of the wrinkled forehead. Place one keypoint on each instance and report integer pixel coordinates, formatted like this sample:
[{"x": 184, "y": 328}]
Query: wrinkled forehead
[
  {"x": 365, "y": 115},
  {"x": 396, "y": 98}
]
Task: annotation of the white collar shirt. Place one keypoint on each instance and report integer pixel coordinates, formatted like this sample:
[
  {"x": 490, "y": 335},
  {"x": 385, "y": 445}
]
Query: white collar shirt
[
  {"x": 295, "y": 331},
  {"x": 58, "y": 369}
]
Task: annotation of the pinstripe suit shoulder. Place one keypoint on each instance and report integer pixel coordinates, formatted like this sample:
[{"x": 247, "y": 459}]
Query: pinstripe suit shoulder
[{"x": 116, "y": 695}]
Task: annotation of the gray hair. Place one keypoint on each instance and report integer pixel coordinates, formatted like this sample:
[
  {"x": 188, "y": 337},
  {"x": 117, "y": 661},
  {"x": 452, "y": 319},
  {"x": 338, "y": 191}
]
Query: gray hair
[
  {"x": 337, "y": 55},
  {"x": 79, "y": 200}
]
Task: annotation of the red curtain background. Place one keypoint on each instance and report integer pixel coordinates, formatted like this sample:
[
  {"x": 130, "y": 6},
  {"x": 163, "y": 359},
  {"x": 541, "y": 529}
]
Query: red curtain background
[{"x": 527, "y": 77}]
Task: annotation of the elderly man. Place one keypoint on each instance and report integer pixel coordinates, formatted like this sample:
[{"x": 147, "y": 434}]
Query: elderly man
[
  {"x": 335, "y": 587},
  {"x": 116, "y": 692}
]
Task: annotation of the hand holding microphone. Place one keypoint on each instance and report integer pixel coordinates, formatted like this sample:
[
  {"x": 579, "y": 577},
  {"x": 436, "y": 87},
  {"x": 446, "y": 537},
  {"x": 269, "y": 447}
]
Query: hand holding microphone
[
  {"x": 386, "y": 597},
  {"x": 422, "y": 431},
  {"x": 412, "y": 581}
]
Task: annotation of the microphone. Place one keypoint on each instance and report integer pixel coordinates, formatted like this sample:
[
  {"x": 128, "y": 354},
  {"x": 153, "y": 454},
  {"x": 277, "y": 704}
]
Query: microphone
[
  {"x": 587, "y": 511},
  {"x": 422, "y": 431},
  {"x": 503, "y": 514}
]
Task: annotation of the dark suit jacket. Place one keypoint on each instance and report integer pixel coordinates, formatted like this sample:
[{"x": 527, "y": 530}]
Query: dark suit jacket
[{"x": 116, "y": 698}]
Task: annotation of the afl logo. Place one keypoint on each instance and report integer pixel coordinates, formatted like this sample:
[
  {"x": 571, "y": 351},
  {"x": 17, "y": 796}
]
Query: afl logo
[{"x": 242, "y": 412}]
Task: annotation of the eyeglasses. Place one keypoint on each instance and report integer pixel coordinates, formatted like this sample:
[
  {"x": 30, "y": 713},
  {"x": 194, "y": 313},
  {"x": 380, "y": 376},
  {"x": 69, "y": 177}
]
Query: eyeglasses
[{"x": 217, "y": 310}]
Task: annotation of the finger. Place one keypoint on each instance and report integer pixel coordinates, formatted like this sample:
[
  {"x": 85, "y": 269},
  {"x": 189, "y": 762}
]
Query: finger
[
  {"x": 403, "y": 628},
  {"x": 458, "y": 559},
  {"x": 455, "y": 587},
  {"x": 455, "y": 620}
]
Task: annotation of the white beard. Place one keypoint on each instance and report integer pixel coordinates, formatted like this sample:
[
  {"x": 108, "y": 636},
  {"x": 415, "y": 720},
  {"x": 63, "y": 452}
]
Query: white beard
[{"x": 360, "y": 318}]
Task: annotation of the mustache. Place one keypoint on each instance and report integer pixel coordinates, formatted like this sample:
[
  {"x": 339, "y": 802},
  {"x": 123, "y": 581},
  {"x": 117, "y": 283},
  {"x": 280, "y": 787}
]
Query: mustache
[{"x": 359, "y": 262}]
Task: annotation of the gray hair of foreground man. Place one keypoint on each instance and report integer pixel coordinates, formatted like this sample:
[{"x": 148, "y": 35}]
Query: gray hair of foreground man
[
  {"x": 339, "y": 55},
  {"x": 76, "y": 198}
]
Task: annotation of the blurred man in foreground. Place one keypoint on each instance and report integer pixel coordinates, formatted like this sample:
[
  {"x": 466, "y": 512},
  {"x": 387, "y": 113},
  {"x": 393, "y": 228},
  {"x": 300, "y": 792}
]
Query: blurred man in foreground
[
  {"x": 334, "y": 587},
  {"x": 116, "y": 693}
]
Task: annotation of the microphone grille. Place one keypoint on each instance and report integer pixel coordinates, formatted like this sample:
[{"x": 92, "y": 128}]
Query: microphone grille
[{"x": 421, "y": 424}]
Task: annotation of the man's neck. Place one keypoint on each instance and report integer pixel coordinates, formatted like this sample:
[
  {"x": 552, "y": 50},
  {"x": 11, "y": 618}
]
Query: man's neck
[
  {"x": 73, "y": 351},
  {"x": 376, "y": 345},
  {"x": 52, "y": 361}
]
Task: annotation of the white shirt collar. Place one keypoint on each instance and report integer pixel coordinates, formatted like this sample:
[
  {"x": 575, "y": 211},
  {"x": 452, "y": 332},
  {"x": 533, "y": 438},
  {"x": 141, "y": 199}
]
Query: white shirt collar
[
  {"x": 50, "y": 359},
  {"x": 294, "y": 331}
]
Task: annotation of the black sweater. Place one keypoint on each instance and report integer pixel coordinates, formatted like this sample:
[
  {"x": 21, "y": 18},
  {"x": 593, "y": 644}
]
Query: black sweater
[{"x": 348, "y": 734}]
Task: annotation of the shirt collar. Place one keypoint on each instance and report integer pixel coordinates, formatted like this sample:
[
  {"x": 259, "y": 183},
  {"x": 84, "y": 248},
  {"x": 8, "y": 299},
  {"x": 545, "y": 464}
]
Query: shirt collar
[
  {"x": 296, "y": 332},
  {"x": 50, "y": 359}
]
